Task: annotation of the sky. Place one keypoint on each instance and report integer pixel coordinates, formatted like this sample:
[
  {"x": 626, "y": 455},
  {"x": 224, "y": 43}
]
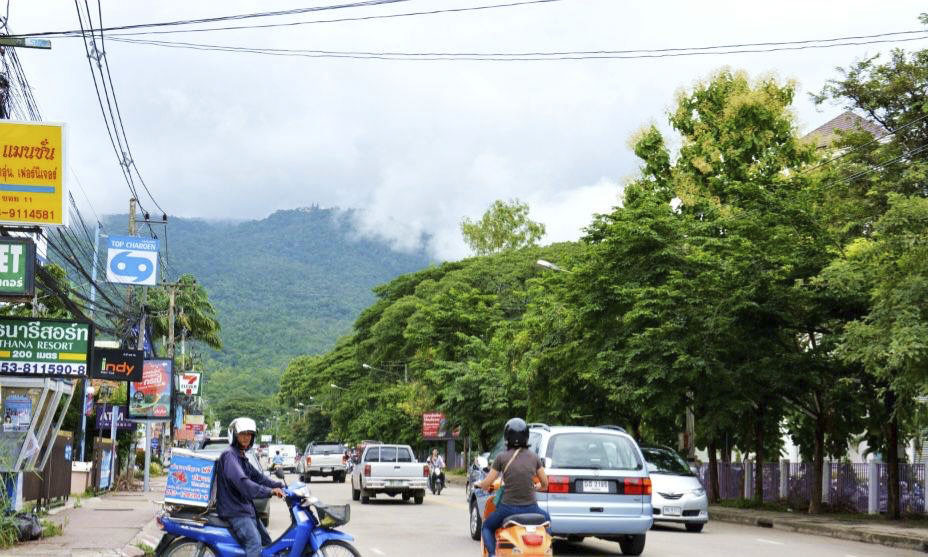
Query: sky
[{"x": 414, "y": 146}]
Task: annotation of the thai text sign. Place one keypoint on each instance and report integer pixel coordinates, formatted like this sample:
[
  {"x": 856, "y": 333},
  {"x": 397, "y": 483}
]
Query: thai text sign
[
  {"x": 17, "y": 267},
  {"x": 433, "y": 425},
  {"x": 44, "y": 347},
  {"x": 116, "y": 364},
  {"x": 105, "y": 417},
  {"x": 132, "y": 260},
  {"x": 32, "y": 184},
  {"x": 190, "y": 480},
  {"x": 188, "y": 383},
  {"x": 150, "y": 398}
]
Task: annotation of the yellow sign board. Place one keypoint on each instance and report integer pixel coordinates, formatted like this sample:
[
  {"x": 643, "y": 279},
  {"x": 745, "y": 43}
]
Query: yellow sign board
[{"x": 32, "y": 174}]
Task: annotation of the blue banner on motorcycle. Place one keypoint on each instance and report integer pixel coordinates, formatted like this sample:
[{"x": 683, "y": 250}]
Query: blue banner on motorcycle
[{"x": 190, "y": 479}]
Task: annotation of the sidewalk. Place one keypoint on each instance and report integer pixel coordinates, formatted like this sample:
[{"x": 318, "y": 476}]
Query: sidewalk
[
  {"x": 106, "y": 525},
  {"x": 863, "y": 530}
]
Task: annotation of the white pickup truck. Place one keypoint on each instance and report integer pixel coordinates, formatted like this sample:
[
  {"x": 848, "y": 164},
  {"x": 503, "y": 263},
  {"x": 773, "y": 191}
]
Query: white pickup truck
[
  {"x": 323, "y": 459},
  {"x": 390, "y": 469}
]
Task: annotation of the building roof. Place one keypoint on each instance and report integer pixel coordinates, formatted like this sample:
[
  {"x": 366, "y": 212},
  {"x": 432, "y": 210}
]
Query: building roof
[{"x": 826, "y": 134}]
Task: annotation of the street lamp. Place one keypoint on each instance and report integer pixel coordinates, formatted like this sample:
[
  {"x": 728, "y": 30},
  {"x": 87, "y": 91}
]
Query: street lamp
[
  {"x": 405, "y": 371},
  {"x": 334, "y": 386},
  {"x": 548, "y": 265}
]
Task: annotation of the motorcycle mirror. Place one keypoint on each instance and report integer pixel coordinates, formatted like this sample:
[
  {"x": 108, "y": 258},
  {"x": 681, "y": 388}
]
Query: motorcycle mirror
[
  {"x": 279, "y": 473},
  {"x": 486, "y": 469}
]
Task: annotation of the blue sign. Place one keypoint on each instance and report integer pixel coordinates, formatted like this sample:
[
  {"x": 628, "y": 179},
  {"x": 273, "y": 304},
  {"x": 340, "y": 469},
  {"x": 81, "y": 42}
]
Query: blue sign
[
  {"x": 132, "y": 260},
  {"x": 105, "y": 417},
  {"x": 190, "y": 480},
  {"x": 154, "y": 443},
  {"x": 105, "y": 468},
  {"x": 67, "y": 452}
]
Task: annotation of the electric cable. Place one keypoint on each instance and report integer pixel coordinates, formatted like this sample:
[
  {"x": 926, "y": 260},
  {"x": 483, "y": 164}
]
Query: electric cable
[{"x": 497, "y": 56}]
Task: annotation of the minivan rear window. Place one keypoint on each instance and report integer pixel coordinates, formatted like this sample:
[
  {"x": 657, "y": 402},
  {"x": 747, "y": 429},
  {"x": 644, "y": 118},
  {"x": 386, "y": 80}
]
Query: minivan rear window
[{"x": 592, "y": 451}]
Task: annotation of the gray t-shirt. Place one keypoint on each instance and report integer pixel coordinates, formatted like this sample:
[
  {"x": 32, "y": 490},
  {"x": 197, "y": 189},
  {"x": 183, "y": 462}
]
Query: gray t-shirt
[{"x": 518, "y": 478}]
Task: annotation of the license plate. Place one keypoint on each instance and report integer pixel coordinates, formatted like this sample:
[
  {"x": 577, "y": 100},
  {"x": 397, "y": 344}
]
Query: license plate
[
  {"x": 326, "y": 469},
  {"x": 672, "y": 511},
  {"x": 394, "y": 482},
  {"x": 593, "y": 486}
]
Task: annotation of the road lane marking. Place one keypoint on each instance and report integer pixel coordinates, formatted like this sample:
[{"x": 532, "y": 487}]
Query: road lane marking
[
  {"x": 377, "y": 551},
  {"x": 771, "y": 542}
]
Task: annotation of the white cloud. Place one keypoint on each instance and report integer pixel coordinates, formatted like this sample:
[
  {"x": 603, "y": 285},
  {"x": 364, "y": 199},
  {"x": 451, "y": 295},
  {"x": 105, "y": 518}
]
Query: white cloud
[{"x": 416, "y": 146}]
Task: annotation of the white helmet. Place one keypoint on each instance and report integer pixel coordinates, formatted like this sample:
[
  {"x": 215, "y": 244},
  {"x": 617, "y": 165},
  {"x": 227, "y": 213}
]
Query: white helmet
[{"x": 242, "y": 425}]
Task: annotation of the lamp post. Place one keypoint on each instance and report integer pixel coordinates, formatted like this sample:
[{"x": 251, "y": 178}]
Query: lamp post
[
  {"x": 334, "y": 386},
  {"x": 551, "y": 266},
  {"x": 405, "y": 370}
]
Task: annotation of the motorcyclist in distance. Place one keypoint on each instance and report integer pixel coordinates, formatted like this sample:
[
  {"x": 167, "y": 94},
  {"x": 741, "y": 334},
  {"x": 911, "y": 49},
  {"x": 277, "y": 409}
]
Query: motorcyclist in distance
[
  {"x": 518, "y": 466},
  {"x": 436, "y": 462},
  {"x": 239, "y": 484}
]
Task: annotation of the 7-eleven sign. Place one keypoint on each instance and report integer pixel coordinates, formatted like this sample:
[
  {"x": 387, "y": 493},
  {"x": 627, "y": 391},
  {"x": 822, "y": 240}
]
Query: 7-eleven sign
[{"x": 188, "y": 383}]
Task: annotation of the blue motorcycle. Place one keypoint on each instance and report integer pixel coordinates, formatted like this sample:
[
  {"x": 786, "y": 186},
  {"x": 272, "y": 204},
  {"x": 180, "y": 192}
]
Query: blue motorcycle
[{"x": 191, "y": 533}]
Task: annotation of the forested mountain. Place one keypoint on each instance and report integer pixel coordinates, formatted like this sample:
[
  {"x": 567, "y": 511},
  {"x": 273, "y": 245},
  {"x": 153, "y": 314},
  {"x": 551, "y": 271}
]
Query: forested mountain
[{"x": 285, "y": 285}]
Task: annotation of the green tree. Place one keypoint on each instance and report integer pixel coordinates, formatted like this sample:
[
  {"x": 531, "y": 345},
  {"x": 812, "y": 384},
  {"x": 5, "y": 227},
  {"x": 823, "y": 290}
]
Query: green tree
[
  {"x": 195, "y": 315},
  {"x": 504, "y": 226}
]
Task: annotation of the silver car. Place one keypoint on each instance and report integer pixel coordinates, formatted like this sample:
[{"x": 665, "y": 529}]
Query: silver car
[
  {"x": 678, "y": 496},
  {"x": 598, "y": 485}
]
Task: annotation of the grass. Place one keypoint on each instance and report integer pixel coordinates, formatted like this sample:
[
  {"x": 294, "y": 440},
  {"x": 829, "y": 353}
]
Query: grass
[
  {"x": 837, "y": 514},
  {"x": 148, "y": 550},
  {"x": 50, "y": 529},
  {"x": 78, "y": 502}
]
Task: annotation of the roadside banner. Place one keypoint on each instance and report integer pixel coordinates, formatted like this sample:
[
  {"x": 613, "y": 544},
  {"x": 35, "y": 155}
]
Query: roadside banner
[
  {"x": 132, "y": 260},
  {"x": 150, "y": 398},
  {"x": 194, "y": 419},
  {"x": 188, "y": 383},
  {"x": 33, "y": 190},
  {"x": 17, "y": 413},
  {"x": 432, "y": 423},
  {"x": 116, "y": 364},
  {"x": 44, "y": 347},
  {"x": 17, "y": 268},
  {"x": 105, "y": 417}
]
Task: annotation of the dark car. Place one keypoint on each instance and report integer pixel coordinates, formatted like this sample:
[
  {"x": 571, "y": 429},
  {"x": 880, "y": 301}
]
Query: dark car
[{"x": 215, "y": 446}]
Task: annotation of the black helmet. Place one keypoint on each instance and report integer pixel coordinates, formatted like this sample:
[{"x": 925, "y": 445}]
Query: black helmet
[{"x": 516, "y": 433}]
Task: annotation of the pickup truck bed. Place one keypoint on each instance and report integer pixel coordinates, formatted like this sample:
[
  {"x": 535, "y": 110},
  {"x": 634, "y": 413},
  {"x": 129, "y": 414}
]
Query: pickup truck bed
[{"x": 389, "y": 469}]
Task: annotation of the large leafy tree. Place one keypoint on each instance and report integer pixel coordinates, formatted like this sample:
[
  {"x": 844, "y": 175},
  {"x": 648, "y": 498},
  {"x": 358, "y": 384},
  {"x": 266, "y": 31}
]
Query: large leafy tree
[{"x": 504, "y": 226}]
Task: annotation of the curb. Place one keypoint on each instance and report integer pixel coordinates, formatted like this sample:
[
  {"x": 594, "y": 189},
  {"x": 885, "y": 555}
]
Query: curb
[{"x": 850, "y": 532}]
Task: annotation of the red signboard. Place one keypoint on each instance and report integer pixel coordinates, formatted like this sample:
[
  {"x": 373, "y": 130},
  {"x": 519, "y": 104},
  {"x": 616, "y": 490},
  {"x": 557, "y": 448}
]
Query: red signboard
[{"x": 434, "y": 425}]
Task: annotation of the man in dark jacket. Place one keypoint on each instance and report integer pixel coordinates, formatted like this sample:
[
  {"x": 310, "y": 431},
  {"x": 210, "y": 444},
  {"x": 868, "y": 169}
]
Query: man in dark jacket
[{"x": 239, "y": 484}]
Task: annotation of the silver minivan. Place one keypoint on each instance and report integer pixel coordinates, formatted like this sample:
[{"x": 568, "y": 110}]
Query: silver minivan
[{"x": 598, "y": 485}]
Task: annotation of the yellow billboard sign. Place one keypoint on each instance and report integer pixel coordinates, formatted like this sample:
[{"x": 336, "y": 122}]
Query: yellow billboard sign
[{"x": 32, "y": 174}]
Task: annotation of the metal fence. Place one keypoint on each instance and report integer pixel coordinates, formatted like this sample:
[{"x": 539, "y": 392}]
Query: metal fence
[{"x": 848, "y": 484}]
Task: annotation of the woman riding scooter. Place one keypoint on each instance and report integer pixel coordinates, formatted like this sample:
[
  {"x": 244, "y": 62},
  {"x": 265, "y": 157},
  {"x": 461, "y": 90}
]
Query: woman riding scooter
[
  {"x": 436, "y": 471},
  {"x": 518, "y": 466}
]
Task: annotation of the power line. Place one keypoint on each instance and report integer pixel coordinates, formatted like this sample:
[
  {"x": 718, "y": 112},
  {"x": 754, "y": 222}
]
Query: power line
[
  {"x": 507, "y": 57},
  {"x": 292, "y": 23},
  {"x": 880, "y": 166}
]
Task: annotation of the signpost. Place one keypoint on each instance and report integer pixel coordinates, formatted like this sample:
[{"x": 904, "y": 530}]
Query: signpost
[
  {"x": 116, "y": 364},
  {"x": 36, "y": 347},
  {"x": 105, "y": 417},
  {"x": 17, "y": 268},
  {"x": 189, "y": 383},
  {"x": 132, "y": 260},
  {"x": 33, "y": 190},
  {"x": 150, "y": 398}
]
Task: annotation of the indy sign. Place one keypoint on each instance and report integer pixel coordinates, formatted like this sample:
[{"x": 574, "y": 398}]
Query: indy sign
[{"x": 132, "y": 260}]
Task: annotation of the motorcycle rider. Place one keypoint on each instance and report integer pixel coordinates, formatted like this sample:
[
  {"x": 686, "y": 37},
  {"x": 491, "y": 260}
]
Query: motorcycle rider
[
  {"x": 239, "y": 484},
  {"x": 436, "y": 462},
  {"x": 518, "y": 465},
  {"x": 278, "y": 460}
]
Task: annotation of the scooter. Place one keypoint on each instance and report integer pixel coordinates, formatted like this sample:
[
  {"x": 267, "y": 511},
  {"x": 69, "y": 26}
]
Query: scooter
[
  {"x": 521, "y": 534},
  {"x": 436, "y": 483},
  {"x": 207, "y": 535}
]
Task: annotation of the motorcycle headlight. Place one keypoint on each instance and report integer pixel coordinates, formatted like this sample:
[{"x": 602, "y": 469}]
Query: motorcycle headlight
[{"x": 698, "y": 492}]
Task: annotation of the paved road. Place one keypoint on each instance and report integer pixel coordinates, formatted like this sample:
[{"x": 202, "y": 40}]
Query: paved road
[{"x": 389, "y": 527}]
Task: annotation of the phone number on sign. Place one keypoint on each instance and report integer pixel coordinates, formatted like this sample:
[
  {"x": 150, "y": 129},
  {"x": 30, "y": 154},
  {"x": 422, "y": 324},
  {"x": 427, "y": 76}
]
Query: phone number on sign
[{"x": 43, "y": 368}]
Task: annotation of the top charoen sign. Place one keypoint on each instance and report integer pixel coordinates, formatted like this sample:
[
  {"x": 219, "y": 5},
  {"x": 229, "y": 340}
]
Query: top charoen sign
[
  {"x": 33, "y": 189},
  {"x": 132, "y": 260}
]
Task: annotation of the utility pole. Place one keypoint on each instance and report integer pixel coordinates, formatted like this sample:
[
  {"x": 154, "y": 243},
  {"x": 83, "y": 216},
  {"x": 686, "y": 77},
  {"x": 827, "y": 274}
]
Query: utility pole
[{"x": 93, "y": 297}]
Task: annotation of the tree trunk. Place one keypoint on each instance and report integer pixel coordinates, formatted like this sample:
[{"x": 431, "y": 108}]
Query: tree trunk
[
  {"x": 714, "y": 494},
  {"x": 636, "y": 428},
  {"x": 892, "y": 458},
  {"x": 818, "y": 465},
  {"x": 759, "y": 454}
]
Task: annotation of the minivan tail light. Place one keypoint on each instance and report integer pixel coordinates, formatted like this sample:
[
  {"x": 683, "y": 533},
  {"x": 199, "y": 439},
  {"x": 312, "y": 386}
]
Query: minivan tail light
[
  {"x": 367, "y": 470},
  {"x": 637, "y": 486},
  {"x": 558, "y": 484}
]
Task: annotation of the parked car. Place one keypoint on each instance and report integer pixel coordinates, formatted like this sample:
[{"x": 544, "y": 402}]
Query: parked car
[
  {"x": 678, "y": 496},
  {"x": 598, "y": 485},
  {"x": 215, "y": 446},
  {"x": 323, "y": 459},
  {"x": 389, "y": 469}
]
